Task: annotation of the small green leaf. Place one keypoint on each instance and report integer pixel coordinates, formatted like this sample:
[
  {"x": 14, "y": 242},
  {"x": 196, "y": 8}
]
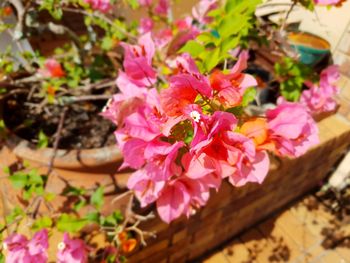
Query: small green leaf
[
  {"x": 97, "y": 198},
  {"x": 15, "y": 213},
  {"x": 70, "y": 223},
  {"x": 43, "y": 140},
  {"x": 193, "y": 48},
  {"x": 93, "y": 217},
  {"x": 118, "y": 216},
  {"x": 248, "y": 97},
  {"x": 79, "y": 204},
  {"x": 19, "y": 180},
  {"x": 44, "y": 222}
]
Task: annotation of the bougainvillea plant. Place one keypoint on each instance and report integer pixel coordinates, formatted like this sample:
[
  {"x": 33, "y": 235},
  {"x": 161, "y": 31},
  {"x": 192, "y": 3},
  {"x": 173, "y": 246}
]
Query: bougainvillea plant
[{"x": 178, "y": 111}]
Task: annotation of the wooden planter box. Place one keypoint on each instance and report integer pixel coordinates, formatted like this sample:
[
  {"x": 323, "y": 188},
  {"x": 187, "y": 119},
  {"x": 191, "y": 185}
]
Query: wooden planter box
[{"x": 232, "y": 210}]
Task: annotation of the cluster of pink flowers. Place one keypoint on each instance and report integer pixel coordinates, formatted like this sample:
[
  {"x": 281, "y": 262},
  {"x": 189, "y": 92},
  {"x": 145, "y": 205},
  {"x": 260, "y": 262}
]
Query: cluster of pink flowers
[
  {"x": 182, "y": 30},
  {"x": 320, "y": 98},
  {"x": 182, "y": 142},
  {"x": 101, "y": 5},
  {"x": 20, "y": 249}
]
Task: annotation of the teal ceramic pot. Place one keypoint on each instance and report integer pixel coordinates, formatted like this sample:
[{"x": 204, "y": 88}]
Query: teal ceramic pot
[{"x": 312, "y": 49}]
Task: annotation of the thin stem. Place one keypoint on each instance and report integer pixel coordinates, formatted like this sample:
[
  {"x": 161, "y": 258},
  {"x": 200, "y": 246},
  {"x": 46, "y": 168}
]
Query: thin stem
[{"x": 295, "y": 2}]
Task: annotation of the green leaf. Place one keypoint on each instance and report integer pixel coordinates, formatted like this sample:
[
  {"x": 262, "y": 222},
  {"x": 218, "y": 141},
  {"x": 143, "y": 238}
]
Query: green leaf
[
  {"x": 133, "y": 4},
  {"x": 19, "y": 180},
  {"x": 193, "y": 48},
  {"x": 43, "y": 140},
  {"x": 93, "y": 217},
  {"x": 44, "y": 222},
  {"x": 229, "y": 43},
  {"x": 70, "y": 223},
  {"x": 249, "y": 96},
  {"x": 15, "y": 213},
  {"x": 107, "y": 43},
  {"x": 212, "y": 59},
  {"x": 237, "y": 111},
  {"x": 97, "y": 198},
  {"x": 79, "y": 204}
]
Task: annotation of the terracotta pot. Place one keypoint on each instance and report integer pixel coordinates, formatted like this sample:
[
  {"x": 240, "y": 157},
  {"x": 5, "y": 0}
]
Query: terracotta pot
[{"x": 81, "y": 168}]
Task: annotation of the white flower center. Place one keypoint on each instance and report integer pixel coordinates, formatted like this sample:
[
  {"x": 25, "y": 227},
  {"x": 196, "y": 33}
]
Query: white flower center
[
  {"x": 4, "y": 246},
  {"x": 61, "y": 246},
  {"x": 195, "y": 115}
]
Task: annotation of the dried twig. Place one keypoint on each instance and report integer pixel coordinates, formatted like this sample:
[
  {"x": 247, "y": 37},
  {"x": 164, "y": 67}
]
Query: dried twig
[
  {"x": 57, "y": 136},
  {"x": 100, "y": 16}
]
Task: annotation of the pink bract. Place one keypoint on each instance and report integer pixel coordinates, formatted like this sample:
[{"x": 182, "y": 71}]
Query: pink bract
[
  {"x": 231, "y": 87},
  {"x": 320, "y": 98},
  {"x": 146, "y": 25},
  {"x": 101, "y": 5},
  {"x": 72, "y": 250},
  {"x": 327, "y": 2},
  {"x": 138, "y": 61},
  {"x": 162, "y": 7},
  {"x": 201, "y": 10},
  {"x": 22, "y": 250},
  {"x": 291, "y": 128}
]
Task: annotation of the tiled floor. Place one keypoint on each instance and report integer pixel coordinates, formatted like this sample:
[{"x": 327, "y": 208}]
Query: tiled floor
[{"x": 303, "y": 233}]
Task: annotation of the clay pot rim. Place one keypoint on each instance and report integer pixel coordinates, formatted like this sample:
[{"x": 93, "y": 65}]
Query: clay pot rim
[{"x": 65, "y": 158}]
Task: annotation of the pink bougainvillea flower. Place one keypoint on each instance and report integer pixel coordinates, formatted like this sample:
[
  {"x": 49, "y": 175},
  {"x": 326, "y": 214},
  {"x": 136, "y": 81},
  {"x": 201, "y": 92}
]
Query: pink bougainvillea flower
[
  {"x": 22, "y": 250},
  {"x": 184, "y": 87},
  {"x": 291, "y": 128},
  {"x": 201, "y": 10},
  {"x": 257, "y": 129},
  {"x": 328, "y": 2},
  {"x": 145, "y": 2},
  {"x": 146, "y": 25},
  {"x": 317, "y": 100},
  {"x": 230, "y": 87},
  {"x": 101, "y": 5},
  {"x": 234, "y": 155},
  {"x": 149, "y": 181},
  {"x": 162, "y": 7},
  {"x": 185, "y": 31},
  {"x": 138, "y": 61},
  {"x": 181, "y": 196},
  {"x": 328, "y": 80},
  {"x": 52, "y": 69},
  {"x": 320, "y": 98},
  {"x": 330, "y": 74},
  {"x": 163, "y": 37},
  {"x": 72, "y": 250},
  {"x": 184, "y": 23}
]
